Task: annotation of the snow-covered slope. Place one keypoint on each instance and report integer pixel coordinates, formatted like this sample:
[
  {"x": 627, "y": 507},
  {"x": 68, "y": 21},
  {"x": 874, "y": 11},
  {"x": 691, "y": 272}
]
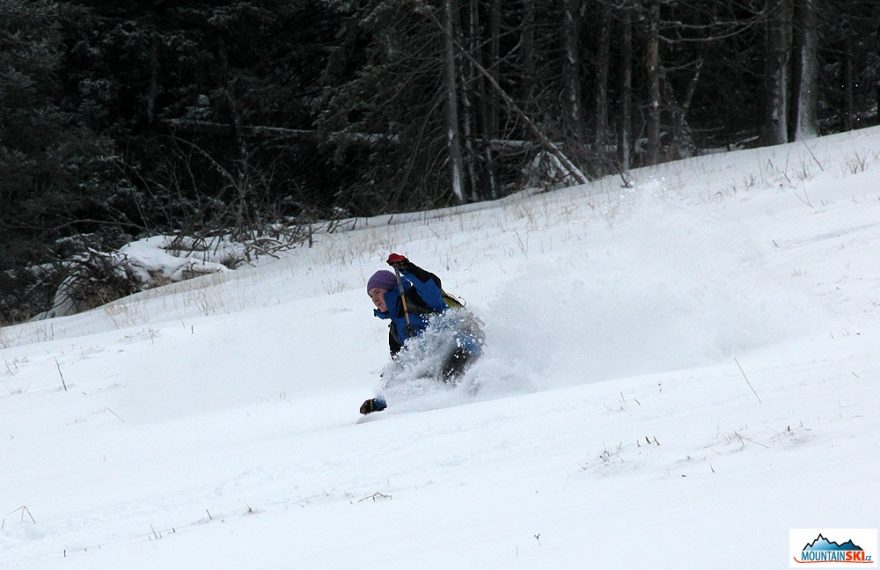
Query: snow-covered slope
[{"x": 675, "y": 375}]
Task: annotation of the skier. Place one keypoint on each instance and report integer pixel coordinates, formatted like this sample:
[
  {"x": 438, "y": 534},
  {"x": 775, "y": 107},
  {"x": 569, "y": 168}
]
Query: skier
[{"x": 410, "y": 297}]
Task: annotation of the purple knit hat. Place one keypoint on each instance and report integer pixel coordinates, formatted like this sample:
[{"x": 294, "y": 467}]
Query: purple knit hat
[{"x": 383, "y": 279}]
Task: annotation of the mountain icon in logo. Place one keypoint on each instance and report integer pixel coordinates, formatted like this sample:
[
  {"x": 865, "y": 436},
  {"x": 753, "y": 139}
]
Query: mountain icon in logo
[{"x": 822, "y": 543}]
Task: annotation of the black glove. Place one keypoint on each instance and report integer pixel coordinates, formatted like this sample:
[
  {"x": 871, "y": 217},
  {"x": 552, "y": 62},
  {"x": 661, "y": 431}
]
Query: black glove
[{"x": 373, "y": 405}]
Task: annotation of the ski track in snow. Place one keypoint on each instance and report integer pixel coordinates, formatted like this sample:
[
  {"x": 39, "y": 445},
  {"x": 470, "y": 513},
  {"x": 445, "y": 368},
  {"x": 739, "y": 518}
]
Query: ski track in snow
[{"x": 669, "y": 370}]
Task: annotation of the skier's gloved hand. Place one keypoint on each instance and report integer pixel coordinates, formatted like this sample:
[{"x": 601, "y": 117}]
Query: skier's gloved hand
[{"x": 397, "y": 261}]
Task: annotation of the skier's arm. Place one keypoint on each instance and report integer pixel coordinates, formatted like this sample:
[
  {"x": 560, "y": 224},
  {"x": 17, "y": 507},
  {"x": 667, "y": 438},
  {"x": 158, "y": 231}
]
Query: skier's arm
[
  {"x": 393, "y": 342},
  {"x": 407, "y": 267}
]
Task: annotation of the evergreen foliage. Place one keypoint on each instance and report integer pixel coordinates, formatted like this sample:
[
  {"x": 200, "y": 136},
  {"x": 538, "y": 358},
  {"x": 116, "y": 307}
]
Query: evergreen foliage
[{"x": 125, "y": 119}]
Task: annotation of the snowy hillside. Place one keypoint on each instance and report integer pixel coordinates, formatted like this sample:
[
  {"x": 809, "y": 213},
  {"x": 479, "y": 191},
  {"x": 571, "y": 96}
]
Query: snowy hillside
[{"x": 671, "y": 371}]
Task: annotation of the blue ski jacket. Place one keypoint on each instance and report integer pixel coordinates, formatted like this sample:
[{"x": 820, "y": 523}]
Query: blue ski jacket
[{"x": 424, "y": 297}]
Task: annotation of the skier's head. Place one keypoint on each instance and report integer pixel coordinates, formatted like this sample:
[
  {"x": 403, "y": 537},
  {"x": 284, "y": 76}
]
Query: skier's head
[{"x": 380, "y": 283}]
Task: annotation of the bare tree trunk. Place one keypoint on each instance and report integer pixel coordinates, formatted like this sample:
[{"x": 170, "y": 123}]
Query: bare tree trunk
[
  {"x": 469, "y": 157},
  {"x": 681, "y": 136},
  {"x": 242, "y": 184},
  {"x": 471, "y": 116},
  {"x": 877, "y": 95},
  {"x": 494, "y": 57},
  {"x": 624, "y": 132},
  {"x": 848, "y": 84},
  {"x": 489, "y": 104},
  {"x": 453, "y": 135},
  {"x": 603, "y": 63},
  {"x": 153, "y": 92},
  {"x": 571, "y": 66},
  {"x": 806, "y": 70},
  {"x": 528, "y": 50},
  {"x": 776, "y": 76},
  {"x": 653, "y": 68}
]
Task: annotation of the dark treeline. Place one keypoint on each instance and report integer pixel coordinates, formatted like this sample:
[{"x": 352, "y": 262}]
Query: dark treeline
[{"x": 130, "y": 118}]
